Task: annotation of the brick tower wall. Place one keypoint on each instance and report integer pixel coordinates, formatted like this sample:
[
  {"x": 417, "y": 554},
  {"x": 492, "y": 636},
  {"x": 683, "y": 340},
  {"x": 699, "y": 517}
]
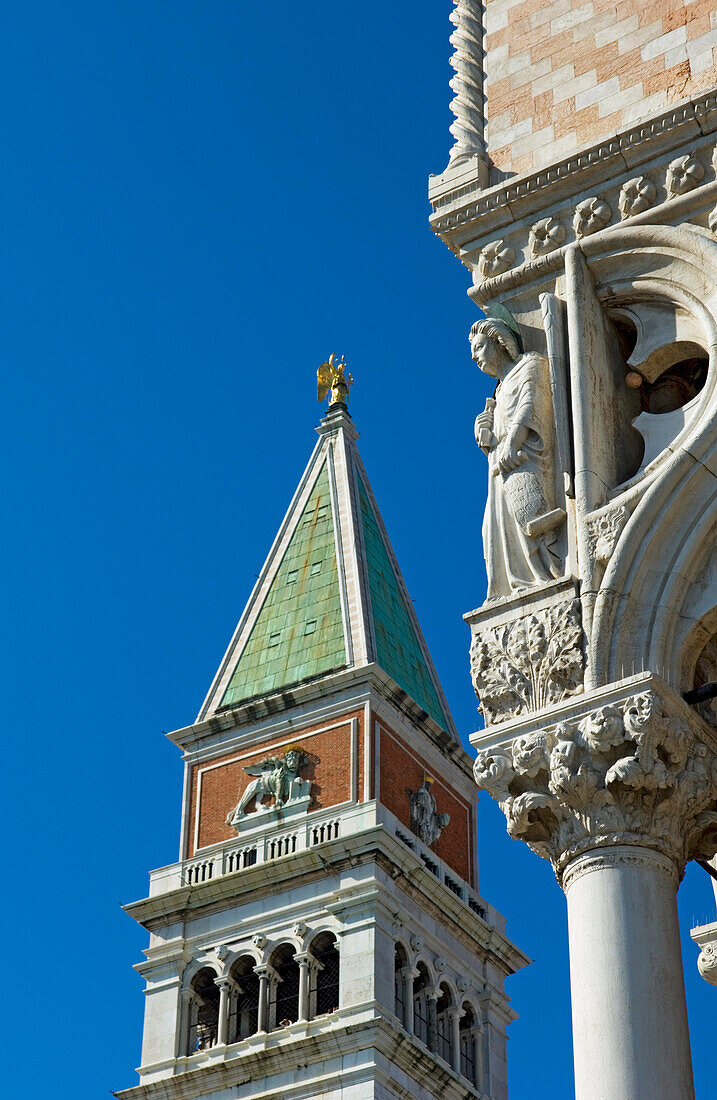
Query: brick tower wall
[{"x": 562, "y": 74}]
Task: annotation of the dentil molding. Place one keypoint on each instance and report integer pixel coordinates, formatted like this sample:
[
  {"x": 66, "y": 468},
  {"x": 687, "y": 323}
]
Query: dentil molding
[{"x": 637, "y": 770}]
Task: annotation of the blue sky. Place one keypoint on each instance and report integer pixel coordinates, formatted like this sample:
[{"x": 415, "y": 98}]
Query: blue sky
[{"x": 202, "y": 200}]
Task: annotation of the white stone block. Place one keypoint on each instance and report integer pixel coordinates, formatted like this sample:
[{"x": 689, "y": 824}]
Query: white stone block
[
  {"x": 664, "y": 43},
  {"x": 571, "y": 18},
  {"x": 600, "y": 91}
]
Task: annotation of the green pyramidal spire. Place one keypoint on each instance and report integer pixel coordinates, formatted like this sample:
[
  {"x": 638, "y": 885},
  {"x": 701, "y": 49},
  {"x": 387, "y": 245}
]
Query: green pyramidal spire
[
  {"x": 299, "y": 631},
  {"x": 330, "y": 596}
]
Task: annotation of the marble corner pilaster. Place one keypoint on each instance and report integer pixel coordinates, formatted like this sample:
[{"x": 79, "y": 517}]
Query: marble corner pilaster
[{"x": 628, "y": 764}]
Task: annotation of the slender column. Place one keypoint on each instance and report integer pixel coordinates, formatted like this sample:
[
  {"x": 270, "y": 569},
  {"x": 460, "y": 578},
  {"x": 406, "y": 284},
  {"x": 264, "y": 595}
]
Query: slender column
[
  {"x": 630, "y": 1032},
  {"x": 408, "y": 974},
  {"x": 188, "y": 999},
  {"x": 225, "y": 991},
  {"x": 304, "y": 959},
  {"x": 467, "y": 84},
  {"x": 455, "y": 1015},
  {"x": 264, "y": 974},
  {"x": 432, "y": 995},
  {"x": 478, "y": 1060}
]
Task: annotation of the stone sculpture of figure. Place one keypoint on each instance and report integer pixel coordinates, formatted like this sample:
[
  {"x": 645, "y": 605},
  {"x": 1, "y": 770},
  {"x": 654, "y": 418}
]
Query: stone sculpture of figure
[
  {"x": 516, "y": 432},
  {"x": 276, "y": 778},
  {"x": 426, "y": 822}
]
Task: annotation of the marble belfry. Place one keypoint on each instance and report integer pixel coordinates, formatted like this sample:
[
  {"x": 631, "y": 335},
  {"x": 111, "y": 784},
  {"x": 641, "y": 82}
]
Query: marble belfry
[
  {"x": 581, "y": 195},
  {"x": 322, "y": 934}
]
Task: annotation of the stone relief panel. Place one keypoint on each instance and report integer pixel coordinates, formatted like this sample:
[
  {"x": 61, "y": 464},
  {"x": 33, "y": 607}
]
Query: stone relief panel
[
  {"x": 516, "y": 432},
  {"x": 277, "y": 785},
  {"x": 528, "y": 664},
  {"x": 628, "y": 772}
]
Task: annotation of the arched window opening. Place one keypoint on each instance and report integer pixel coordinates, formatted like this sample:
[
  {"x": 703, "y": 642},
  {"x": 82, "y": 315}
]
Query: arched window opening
[
  {"x": 467, "y": 1044},
  {"x": 285, "y": 1000},
  {"x": 421, "y": 1010},
  {"x": 443, "y": 1025},
  {"x": 244, "y": 1002},
  {"x": 326, "y": 981},
  {"x": 203, "y": 1011},
  {"x": 706, "y": 673},
  {"x": 400, "y": 961}
]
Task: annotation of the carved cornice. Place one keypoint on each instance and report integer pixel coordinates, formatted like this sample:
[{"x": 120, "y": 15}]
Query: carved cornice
[
  {"x": 528, "y": 663},
  {"x": 632, "y": 771},
  {"x": 629, "y": 148}
]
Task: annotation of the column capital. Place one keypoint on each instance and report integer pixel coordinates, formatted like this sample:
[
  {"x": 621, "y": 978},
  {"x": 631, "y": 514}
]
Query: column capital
[
  {"x": 629, "y": 765},
  {"x": 264, "y": 970},
  {"x": 455, "y": 1013}
]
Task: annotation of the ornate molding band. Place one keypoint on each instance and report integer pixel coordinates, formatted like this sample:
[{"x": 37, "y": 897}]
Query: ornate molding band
[
  {"x": 529, "y": 663},
  {"x": 629, "y": 772},
  {"x": 615, "y": 858},
  {"x": 633, "y": 146}
]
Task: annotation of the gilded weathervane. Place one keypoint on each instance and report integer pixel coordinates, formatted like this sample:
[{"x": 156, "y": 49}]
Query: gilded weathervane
[{"x": 331, "y": 376}]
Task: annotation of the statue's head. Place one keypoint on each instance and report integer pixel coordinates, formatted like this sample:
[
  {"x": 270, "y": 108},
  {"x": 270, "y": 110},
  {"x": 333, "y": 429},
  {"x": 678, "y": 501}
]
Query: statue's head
[
  {"x": 293, "y": 759},
  {"x": 493, "y": 346}
]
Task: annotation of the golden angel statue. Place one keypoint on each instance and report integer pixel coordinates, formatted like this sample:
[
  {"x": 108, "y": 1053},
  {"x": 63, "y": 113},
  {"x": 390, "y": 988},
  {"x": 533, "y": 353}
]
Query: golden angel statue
[{"x": 331, "y": 376}]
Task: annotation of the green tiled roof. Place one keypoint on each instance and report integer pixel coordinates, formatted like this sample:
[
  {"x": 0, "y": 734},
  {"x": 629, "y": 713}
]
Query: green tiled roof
[
  {"x": 397, "y": 648},
  {"x": 299, "y": 631}
]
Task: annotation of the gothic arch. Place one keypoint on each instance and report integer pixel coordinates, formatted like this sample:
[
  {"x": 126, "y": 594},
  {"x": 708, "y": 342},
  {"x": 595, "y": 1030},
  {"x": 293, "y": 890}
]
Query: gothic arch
[{"x": 676, "y": 265}]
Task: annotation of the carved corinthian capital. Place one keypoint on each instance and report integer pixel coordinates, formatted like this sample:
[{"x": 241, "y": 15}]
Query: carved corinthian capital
[{"x": 631, "y": 768}]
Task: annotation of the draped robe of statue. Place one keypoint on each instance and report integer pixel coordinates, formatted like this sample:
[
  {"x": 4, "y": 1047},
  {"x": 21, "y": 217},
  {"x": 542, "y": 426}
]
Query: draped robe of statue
[{"x": 516, "y": 559}]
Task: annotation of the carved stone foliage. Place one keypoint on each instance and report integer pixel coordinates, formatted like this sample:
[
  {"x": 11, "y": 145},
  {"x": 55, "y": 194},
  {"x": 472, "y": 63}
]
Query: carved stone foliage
[
  {"x": 590, "y": 216},
  {"x": 528, "y": 664},
  {"x": 545, "y": 236},
  {"x": 636, "y": 195},
  {"x": 495, "y": 258},
  {"x": 625, "y": 773},
  {"x": 603, "y": 532},
  {"x": 683, "y": 174}
]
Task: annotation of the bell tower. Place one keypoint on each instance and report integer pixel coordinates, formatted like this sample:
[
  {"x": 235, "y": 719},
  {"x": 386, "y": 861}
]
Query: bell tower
[{"x": 322, "y": 932}]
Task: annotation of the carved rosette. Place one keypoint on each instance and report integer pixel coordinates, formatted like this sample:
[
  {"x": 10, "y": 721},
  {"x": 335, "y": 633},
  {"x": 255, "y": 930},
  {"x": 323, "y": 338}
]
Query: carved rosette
[
  {"x": 591, "y": 215},
  {"x": 603, "y": 532},
  {"x": 495, "y": 258},
  {"x": 630, "y": 772},
  {"x": 529, "y": 663},
  {"x": 636, "y": 195},
  {"x": 545, "y": 236},
  {"x": 683, "y": 175}
]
